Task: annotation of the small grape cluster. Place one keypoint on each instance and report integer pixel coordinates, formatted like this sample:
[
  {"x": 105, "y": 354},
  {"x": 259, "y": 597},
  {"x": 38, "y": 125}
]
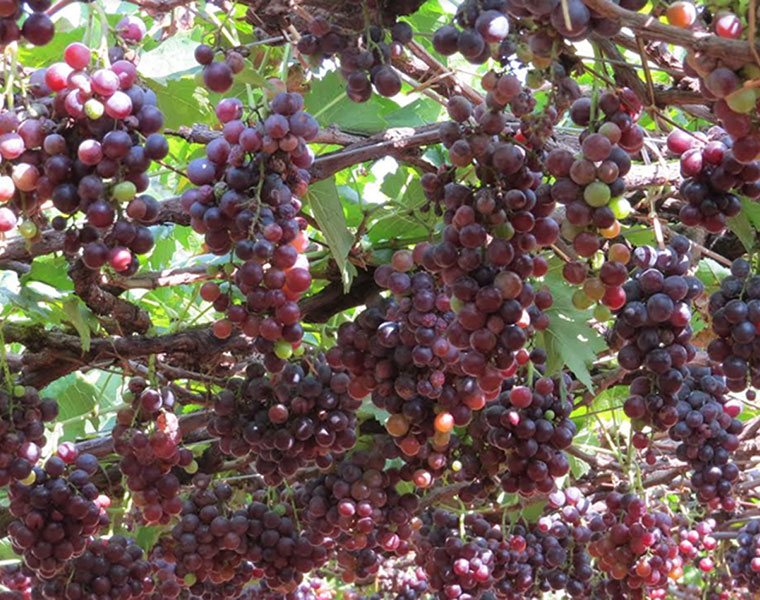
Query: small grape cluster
[
  {"x": 110, "y": 568},
  {"x": 480, "y": 25},
  {"x": 311, "y": 589},
  {"x": 249, "y": 185},
  {"x": 707, "y": 430},
  {"x": 697, "y": 543},
  {"x": 18, "y": 582},
  {"x": 735, "y": 313},
  {"x": 635, "y": 547},
  {"x": 55, "y": 515},
  {"x": 286, "y": 422},
  {"x": 37, "y": 29},
  {"x": 530, "y": 423},
  {"x": 711, "y": 170},
  {"x": 147, "y": 436},
  {"x": 218, "y": 76},
  {"x": 97, "y": 161},
  {"x": 654, "y": 330},
  {"x": 744, "y": 560},
  {"x": 358, "y": 507},
  {"x": 23, "y": 415},
  {"x": 591, "y": 186},
  {"x": 605, "y": 288},
  {"x": 365, "y": 61}
]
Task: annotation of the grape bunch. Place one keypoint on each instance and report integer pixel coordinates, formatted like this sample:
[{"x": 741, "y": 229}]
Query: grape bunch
[
  {"x": 56, "y": 513},
  {"x": 711, "y": 170},
  {"x": 208, "y": 543},
  {"x": 17, "y": 581},
  {"x": 744, "y": 560},
  {"x": 311, "y": 589},
  {"x": 653, "y": 328},
  {"x": 146, "y": 436},
  {"x": 358, "y": 507},
  {"x": 247, "y": 198},
  {"x": 530, "y": 423},
  {"x": 365, "y": 60},
  {"x": 697, "y": 543},
  {"x": 480, "y": 24},
  {"x": 110, "y": 568},
  {"x": 37, "y": 29},
  {"x": 735, "y": 313},
  {"x": 635, "y": 547},
  {"x": 707, "y": 431},
  {"x": 96, "y": 161},
  {"x": 23, "y": 415},
  {"x": 286, "y": 422},
  {"x": 218, "y": 76},
  {"x": 591, "y": 186}
]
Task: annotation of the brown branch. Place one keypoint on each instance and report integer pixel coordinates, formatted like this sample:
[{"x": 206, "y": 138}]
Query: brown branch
[
  {"x": 128, "y": 317},
  {"x": 649, "y": 28},
  {"x": 200, "y": 134},
  {"x": 155, "y": 279}
]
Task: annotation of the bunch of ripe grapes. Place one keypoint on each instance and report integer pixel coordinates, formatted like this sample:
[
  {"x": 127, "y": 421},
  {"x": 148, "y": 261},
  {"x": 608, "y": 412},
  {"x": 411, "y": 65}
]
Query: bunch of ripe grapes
[
  {"x": 147, "y": 437},
  {"x": 56, "y": 513},
  {"x": 218, "y": 76},
  {"x": 247, "y": 200},
  {"x": 735, "y": 313},
  {"x": 365, "y": 60},
  {"x": 711, "y": 170},
  {"x": 287, "y": 422}
]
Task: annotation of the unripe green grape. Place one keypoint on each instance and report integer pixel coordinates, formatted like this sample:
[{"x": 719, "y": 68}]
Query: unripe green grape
[
  {"x": 549, "y": 415},
  {"x": 299, "y": 351},
  {"x": 456, "y": 304},
  {"x": 524, "y": 53},
  {"x": 742, "y": 100},
  {"x": 27, "y": 229},
  {"x": 534, "y": 79},
  {"x": 620, "y": 207},
  {"x": 505, "y": 231},
  {"x": 94, "y": 109},
  {"x": 19, "y": 391},
  {"x": 597, "y": 260},
  {"x": 192, "y": 468},
  {"x": 229, "y": 269},
  {"x": 190, "y": 579},
  {"x": 597, "y": 194},
  {"x": 283, "y": 349},
  {"x": 602, "y": 313},
  {"x": 124, "y": 191},
  {"x": 581, "y": 301},
  {"x": 212, "y": 270},
  {"x": 30, "y": 479}
]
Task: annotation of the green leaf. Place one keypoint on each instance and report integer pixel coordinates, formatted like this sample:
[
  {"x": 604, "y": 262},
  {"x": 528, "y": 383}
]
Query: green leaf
[
  {"x": 52, "y": 270},
  {"x": 328, "y": 212},
  {"x": 741, "y": 226},
  {"x": 182, "y": 101},
  {"x": 172, "y": 58},
  {"x": 78, "y": 317},
  {"x": 569, "y": 341},
  {"x": 164, "y": 249},
  {"x": 710, "y": 272},
  {"x": 329, "y": 104},
  {"x": 76, "y": 399},
  {"x": 147, "y": 536}
]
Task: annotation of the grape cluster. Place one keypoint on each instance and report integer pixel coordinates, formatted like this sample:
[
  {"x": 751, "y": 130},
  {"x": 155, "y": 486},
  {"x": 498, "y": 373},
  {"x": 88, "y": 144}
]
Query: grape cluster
[
  {"x": 286, "y": 422},
  {"x": 18, "y": 582},
  {"x": 735, "y": 313},
  {"x": 218, "y": 76},
  {"x": 55, "y": 515},
  {"x": 591, "y": 186},
  {"x": 697, "y": 543},
  {"x": 744, "y": 560},
  {"x": 311, "y": 589},
  {"x": 711, "y": 170},
  {"x": 96, "y": 161},
  {"x": 365, "y": 61},
  {"x": 654, "y": 330},
  {"x": 247, "y": 199},
  {"x": 23, "y": 415},
  {"x": 37, "y": 29},
  {"x": 110, "y": 568},
  {"x": 358, "y": 508},
  {"x": 480, "y": 25},
  {"x": 635, "y": 547},
  {"x": 707, "y": 430},
  {"x": 146, "y": 436},
  {"x": 531, "y": 424}
]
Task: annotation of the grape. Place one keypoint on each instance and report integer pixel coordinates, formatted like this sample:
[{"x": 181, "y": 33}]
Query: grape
[
  {"x": 77, "y": 56},
  {"x": 204, "y": 54},
  {"x": 728, "y": 25},
  {"x": 105, "y": 82},
  {"x": 38, "y": 29},
  {"x": 721, "y": 82},
  {"x": 131, "y": 29},
  {"x": 387, "y": 82},
  {"x": 446, "y": 40},
  {"x": 217, "y": 76}
]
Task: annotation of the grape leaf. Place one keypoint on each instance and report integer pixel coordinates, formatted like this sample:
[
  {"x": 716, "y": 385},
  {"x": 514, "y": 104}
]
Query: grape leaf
[
  {"x": 741, "y": 226},
  {"x": 327, "y": 210},
  {"x": 569, "y": 341}
]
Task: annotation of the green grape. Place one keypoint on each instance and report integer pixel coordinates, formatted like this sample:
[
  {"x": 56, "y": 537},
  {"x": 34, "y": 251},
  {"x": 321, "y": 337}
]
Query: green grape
[
  {"x": 124, "y": 191},
  {"x": 620, "y": 207},
  {"x": 597, "y": 194}
]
